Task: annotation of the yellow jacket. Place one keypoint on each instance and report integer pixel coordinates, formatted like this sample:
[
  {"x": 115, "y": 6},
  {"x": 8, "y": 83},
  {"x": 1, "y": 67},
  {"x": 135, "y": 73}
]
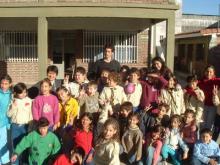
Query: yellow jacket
[{"x": 68, "y": 111}]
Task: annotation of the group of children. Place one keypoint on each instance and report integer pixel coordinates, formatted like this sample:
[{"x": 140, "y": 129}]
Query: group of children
[{"x": 137, "y": 116}]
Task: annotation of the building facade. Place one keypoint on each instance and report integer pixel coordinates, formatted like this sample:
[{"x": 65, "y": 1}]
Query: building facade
[
  {"x": 67, "y": 33},
  {"x": 198, "y": 45}
]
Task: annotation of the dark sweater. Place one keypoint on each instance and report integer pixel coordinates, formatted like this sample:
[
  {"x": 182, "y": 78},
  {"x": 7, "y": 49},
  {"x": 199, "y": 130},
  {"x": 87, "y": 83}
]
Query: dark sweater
[{"x": 101, "y": 64}]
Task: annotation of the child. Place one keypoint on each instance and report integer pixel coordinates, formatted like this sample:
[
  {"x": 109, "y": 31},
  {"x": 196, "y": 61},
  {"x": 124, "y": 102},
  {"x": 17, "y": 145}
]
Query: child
[
  {"x": 173, "y": 140},
  {"x": 216, "y": 102},
  {"x": 89, "y": 102},
  {"x": 42, "y": 144},
  {"x": 107, "y": 147},
  {"x": 155, "y": 117},
  {"x": 113, "y": 95},
  {"x": 189, "y": 129},
  {"x": 80, "y": 83},
  {"x": 194, "y": 98},
  {"x": 20, "y": 113},
  {"x": 75, "y": 157},
  {"x": 143, "y": 73},
  {"x": 132, "y": 140},
  {"x": 206, "y": 84},
  {"x": 206, "y": 151},
  {"x": 5, "y": 99},
  {"x": 125, "y": 109},
  {"x": 159, "y": 65},
  {"x": 135, "y": 96},
  {"x": 111, "y": 98},
  {"x": 173, "y": 96},
  {"x": 154, "y": 145},
  {"x": 151, "y": 88},
  {"x": 68, "y": 107},
  {"x": 46, "y": 105},
  {"x": 52, "y": 72},
  {"x": 124, "y": 74},
  {"x": 83, "y": 136},
  {"x": 103, "y": 80}
]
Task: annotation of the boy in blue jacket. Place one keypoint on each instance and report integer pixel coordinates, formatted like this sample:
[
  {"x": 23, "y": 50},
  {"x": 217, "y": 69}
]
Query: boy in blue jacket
[{"x": 206, "y": 151}]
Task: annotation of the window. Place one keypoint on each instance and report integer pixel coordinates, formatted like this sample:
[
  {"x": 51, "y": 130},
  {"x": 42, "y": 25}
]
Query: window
[
  {"x": 18, "y": 46},
  {"x": 125, "y": 44}
]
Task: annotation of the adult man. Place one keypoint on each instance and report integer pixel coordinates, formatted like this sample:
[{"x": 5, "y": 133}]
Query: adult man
[{"x": 107, "y": 63}]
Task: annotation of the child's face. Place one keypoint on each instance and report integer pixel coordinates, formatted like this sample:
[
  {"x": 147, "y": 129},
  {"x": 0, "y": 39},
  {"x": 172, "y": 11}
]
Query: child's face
[
  {"x": 51, "y": 75},
  {"x": 210, "y": 73},
  {"x": 43, "y": 130},
  {"x": 124, "y": 113},
  {"x": 171, "y": 83},
  {"x": 155, "y": 135},
  {"x": 45, "y": 88},
  {"x": 157, "y": 64},
  {"x": 91, "y": 90},
  {"x": 85, "y": 121},
  {"x": 162, "y": 112},
  {"x": 109, "y": 132},
  {"x": 134, "y": 77},
  {"x": 104, "y": 77},
  {"x": 112, "y": 83},
  {"x": 133, "y": 121},
  {"x": 22, "y": 95},
  {"x": 189, "y": 118},
  {"x": 79, "y": 77},
  {"x": 206, "y": 138},
  {"x": 5, "y": 85},
  {"x": 175, "y": 123},
  {"x": 193, "y": 84},
  {"x": 63, "y": 95},
  {"x": 75, "y": 158}
]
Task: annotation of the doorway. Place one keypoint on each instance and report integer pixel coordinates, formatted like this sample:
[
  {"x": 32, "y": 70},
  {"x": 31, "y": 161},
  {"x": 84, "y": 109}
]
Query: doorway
[{"x": 63, "y": 51}]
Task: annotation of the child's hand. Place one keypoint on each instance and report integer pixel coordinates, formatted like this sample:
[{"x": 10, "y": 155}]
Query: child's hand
[
  {"x": 213, "y": 162},
  {"x": 55, "y": 127},
  {"x": 147, "y": 108},
  {"x": 89, "y": 159},
  {"x": 102, "y": 102},
  {"x": 185, "y": 155},
  {"x": 110, "y": 111},
  {"x": 71, "y": 121},
  {"x": 14, "y": 158},
  {"x": 215, "y": 90}
]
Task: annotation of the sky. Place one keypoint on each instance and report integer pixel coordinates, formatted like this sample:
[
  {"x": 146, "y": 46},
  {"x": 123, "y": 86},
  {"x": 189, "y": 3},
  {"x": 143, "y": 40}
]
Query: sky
[{"x": 205, "y": 7}]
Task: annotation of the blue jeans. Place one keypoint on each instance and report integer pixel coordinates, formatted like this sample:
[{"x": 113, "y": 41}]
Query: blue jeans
[
  {"x": 196, "y": 161},
  {"x": 174, "y": 154},
  {"x": 150, "y": 155},
  {"x": 209, "y": 116},
  {"x": 17, "y": 133},
  {"x": 4, "y": 152}
]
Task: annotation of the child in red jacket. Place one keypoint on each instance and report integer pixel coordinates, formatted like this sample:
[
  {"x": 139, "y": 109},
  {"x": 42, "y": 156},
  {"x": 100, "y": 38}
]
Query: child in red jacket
[
  {"x": 75, "y": 157},
  {"x": 83, "y": 136}
]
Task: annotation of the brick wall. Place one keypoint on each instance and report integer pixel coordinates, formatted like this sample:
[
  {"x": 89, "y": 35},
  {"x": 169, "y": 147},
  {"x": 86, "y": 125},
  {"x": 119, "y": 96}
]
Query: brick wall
[
  {"x": 91, "y": 1},
  {"x": 26, "y": 72}
]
